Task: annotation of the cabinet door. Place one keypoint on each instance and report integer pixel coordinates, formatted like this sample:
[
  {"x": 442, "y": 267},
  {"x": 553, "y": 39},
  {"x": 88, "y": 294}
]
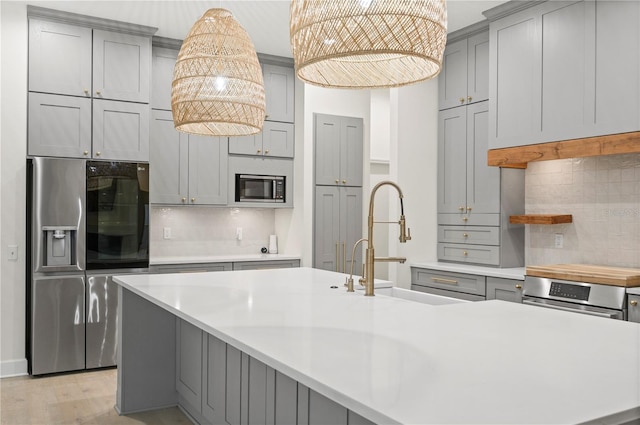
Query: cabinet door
[
  {"x": 169, "y": 160},
  {"x": 478, "y": 68},
  {"x": 452, "y": 81},
  {"x": 59, "y": 58},
  {"x": 617, "y": 84},
  {"x": 504, "y": 289},
  {"x": 214, "y": 389},
  {"x": 59, "y": 126},
  {"x": 121, "y": 66},
  {"x": 351, "y": 227},
  {"x": 452, "y": 160},
  {"x": 278, "y": 139},
  {"x": 483, "y": 182},
  {"x": 164, "y": 61},
  {"x": 327, "y": 246},
  {"x": 189, "y": 363},
  {"x": 279, "y": 85},
  {"x": 120, "y": 130},
  {"x": 246, "y": 145},
  {"x": 514, "y": 101},
  {"x": 351, "y": 134},
  {"x": 327, "y": 133},
  {"x": 634, "y": 308},
  {"x": 208, "y": 170},
  {"x": 323, "y": 410},
  {"x": 568, "y": 58}
]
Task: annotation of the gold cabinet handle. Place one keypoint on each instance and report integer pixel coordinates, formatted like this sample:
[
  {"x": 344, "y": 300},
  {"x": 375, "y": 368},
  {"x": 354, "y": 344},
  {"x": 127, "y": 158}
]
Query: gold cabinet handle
[
  {"x": 465, "y": 253},
  {"x": 461, "y": 208},
  {"x": 466, "y": 235},
  {"x": 98, "y": 153},
  {"x": 337, "y": 256},
  {"x": 85, "y": 153},
  {"x": 461, "y": 100},
  {"x": 633, "y": 303},
  {"x": 344, "y": 257},
  {"x": 468, "y": 208},
  {"x": 465, "y": 218},
  {"x": 98, "y": 92},
  {"x": 259, "y": 150},
  {"x": 337, "y": 181},
  {"x": 86, "y": 91},
  {"x": 518, "y": 286},
  {"x": 266, "y": 151},
  {"x": 344, "y": 182},
  {"x": 443, "y": 280},
  {"x": 193, "y": 199},
  {"x": 469, "y": 98},
  {"x": 184, "y": 200}
]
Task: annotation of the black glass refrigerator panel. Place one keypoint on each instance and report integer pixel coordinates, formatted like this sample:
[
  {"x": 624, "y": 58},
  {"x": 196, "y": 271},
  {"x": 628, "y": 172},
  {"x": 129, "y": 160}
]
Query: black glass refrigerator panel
[{"x": 117, "y": 215}]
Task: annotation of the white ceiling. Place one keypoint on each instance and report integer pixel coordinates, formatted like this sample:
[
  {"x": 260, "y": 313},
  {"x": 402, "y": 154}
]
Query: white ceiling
[{"x": 266, "y": 21}]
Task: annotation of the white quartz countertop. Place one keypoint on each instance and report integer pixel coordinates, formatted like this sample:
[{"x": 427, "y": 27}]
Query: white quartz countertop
[
  {"x": 397, "y": 361},
  {"x": 516, "y": 273},
  {"x": 202, "y": 259}
]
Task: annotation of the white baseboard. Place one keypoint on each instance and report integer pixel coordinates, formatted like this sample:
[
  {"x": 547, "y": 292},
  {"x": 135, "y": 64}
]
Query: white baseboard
[{"x": 9, "y": 368}]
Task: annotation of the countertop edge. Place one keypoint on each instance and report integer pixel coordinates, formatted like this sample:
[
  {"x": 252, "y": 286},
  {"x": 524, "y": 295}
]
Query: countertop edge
[
  {"x": 516, "y": 273},
  {"x": 163, "y": 261}
]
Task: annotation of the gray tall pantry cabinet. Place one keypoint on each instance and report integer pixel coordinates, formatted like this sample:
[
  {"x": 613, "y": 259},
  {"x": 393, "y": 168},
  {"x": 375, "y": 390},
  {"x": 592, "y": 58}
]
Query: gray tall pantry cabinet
[
  {"x": 474, "y": 200},
  {"x": 338, "y": 192},
  {"x": 88, "y": 87}
]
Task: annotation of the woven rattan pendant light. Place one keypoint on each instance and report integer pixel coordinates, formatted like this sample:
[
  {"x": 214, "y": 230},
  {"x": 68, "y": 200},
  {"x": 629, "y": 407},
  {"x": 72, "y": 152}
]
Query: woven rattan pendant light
[
  {"x": 217, "y": 87},
  {"x": 367, "y": 43}
]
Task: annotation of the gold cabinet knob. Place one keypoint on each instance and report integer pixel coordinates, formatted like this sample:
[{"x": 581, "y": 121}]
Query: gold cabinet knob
[
  {"x": 461, "y": 208},
  {"x": 184, "y": 200},
  {"x": 466, "y": 235},
  {"x": 98, "y": 92},
  {"x": 465, "y": 253},
  {"x": 461, "y": 100},
  {"x": 259, "y": 150},
  {"x": 465, "y": 218},
  {"x": 469, "y": 98},
  {"x": 337, "y": 181},
  {"x": 468, "y": 208},
  {"x": 344, "y": 182},
  {"x": 98, "y": 153},
  {"x": 86, "y": 91},
  {"x": 518, "y": 286},
  {"x": 85, "y": 153},
  {"x": 266, "y": 151},
  {"x": 193, "y": 199},
  {"x": 633, "y": 303}
]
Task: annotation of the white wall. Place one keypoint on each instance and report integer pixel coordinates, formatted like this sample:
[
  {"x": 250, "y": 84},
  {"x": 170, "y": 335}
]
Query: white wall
[{"x": 13, "y": 151}]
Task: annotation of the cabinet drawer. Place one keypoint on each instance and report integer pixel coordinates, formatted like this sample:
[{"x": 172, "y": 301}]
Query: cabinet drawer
[
  {"x": 469, "y": 234},
  {"x": 458, "y": 282},
  {"x": 445, "y": 293},
  {"x": 465, "y": 253},
  {"x": 471, "y": 219},
  {"x": 190, "y": 268},
  {"x": 264, "y": 265}
]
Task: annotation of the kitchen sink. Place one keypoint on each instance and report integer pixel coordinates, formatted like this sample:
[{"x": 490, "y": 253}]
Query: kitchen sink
[{"x": 421, "y": 297}]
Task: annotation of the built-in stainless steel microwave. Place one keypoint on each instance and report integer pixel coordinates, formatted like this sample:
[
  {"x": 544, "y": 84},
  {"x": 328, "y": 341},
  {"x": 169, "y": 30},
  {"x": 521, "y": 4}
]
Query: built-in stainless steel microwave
[{"x": 258, "y": 188}]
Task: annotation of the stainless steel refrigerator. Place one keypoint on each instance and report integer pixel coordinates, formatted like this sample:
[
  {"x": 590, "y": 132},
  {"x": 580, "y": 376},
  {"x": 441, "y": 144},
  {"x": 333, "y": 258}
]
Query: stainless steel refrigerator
[{"x": 88, "y": 220}]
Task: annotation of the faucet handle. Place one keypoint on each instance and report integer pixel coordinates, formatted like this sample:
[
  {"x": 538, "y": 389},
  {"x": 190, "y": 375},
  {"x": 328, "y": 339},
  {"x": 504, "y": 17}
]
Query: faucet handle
[
  {"x": 349, "y": 284},
  {"x": 408, "y": 236}
]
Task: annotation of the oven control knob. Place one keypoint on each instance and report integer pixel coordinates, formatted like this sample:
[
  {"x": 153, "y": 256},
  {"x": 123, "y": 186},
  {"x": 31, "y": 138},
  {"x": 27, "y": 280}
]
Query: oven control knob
[{"x": 633, "y": 303}]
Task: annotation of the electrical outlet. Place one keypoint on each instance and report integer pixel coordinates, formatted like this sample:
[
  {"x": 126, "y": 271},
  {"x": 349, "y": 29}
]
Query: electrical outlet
[
  {"x": 559, "y": 240},
  {"x": 166, "y": 232},
  {"x": 12, "y": 252},
  {"x": 239, "y": 233}
]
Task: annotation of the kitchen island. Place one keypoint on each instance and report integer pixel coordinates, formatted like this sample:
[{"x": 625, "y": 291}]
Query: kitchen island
[{"x": 380, "y": 359}]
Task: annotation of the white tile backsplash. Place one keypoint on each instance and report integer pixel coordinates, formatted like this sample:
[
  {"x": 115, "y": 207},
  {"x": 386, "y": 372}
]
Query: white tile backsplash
[
  {"x": 197, "y": 231},
  {"x": 602, "y": 194}
]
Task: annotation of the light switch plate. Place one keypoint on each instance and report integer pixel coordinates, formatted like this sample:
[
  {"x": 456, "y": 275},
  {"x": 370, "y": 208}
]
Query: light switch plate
[
  {"x": 12, "y": 252},
  {"x": 559, "y": 240},
  {"x": 166, "y": 232}
]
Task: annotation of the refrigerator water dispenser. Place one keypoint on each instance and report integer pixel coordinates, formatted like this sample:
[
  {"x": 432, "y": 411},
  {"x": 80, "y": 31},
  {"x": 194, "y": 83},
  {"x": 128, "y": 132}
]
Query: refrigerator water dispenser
[{"x": 59, "y": 243}]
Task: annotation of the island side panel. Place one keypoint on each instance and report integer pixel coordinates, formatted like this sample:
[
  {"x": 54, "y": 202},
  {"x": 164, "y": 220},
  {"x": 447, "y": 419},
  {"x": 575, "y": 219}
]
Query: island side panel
[{"x": 146, "y": 355}]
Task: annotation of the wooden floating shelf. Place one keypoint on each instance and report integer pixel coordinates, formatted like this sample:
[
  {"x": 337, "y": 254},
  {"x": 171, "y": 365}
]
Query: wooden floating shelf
[
  {"x": 519, "y": 156},
  {"x": 541, "y": 219}
]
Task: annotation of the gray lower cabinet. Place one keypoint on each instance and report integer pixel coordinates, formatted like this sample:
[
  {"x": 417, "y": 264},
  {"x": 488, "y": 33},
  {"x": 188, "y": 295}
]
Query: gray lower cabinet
[
  {"x": 634, "y": 308},
  {"x": 191, "y": 268},
  {"x": 504, "y": 289},
  {"x": 186, "y": 169},
  {"x": 456, "y": 285},
  {"x": 219, "y": 384},
  {"x": 263, "y": 265}
]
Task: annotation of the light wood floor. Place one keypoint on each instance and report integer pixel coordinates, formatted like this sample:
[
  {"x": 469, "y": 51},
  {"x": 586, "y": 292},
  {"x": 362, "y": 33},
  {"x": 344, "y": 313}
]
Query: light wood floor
[{"x": 75, "y": 398}]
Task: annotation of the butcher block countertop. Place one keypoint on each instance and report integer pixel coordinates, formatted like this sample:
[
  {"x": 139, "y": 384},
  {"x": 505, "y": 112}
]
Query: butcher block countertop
[{"x": 617, "y": 276}]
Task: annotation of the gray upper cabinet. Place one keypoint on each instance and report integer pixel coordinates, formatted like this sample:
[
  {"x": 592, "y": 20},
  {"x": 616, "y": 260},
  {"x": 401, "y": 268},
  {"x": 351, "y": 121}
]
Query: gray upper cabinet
[
  {"x": 465, "y": 73},
  {"x": 164, "y": 61},
  {"x": 279, "y": 86},
  {"x": 186, "y": 169},
  {"x": 466, "y": 184},
  {"x": 79, "y": 66},
  {"x": 564, "y": 70},
  {"x": 276, "y": 139},
  {"x": 338, "y": 150}
]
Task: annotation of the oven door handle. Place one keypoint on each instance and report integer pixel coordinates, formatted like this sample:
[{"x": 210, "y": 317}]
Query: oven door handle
[{"x": 572, "y": 310}]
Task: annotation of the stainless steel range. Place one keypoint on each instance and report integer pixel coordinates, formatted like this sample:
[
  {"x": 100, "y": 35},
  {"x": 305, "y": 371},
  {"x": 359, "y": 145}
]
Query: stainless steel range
[
  {"x": 580, "y": 297},
  {"x": 580, "y": 288}
]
